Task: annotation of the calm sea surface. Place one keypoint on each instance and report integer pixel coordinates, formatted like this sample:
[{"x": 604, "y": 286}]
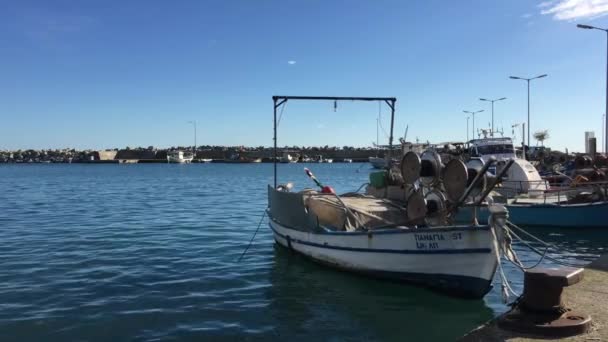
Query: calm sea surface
[{"x": 149, "y": 252}]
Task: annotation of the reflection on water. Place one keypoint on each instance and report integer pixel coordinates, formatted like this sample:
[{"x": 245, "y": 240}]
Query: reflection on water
[{"x": 308, "y": 297}]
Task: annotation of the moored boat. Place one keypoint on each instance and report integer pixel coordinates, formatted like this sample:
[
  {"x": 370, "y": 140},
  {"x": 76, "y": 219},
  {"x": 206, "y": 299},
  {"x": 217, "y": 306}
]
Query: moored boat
[
  {"x": 549, "y": 210},
  {"x": 382, "y": 238},
  {"x": 458, "y": 260},
  {"x": 180, "y": 157}
]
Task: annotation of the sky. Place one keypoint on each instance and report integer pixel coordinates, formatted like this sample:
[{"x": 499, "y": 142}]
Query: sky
[{"x": 106, "y": 74}]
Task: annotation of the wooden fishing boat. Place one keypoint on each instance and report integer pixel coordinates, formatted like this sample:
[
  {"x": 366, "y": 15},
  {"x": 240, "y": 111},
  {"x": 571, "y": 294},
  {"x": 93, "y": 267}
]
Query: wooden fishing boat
[
  {"x": 458, "y": 260},
  {"x": 378, "y": 237}
]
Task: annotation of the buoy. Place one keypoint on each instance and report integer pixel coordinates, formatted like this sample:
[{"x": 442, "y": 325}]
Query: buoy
[{"x": 327, "y": 190}]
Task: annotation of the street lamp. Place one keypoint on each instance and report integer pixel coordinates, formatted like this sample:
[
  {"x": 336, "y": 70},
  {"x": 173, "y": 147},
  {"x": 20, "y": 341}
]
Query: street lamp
[
  {"x": 528, "y": 81},
  {"x": 588, "y": 27},
  {"x": 473, "y": 115},
  {"x": 604, "y": 131},
  {"x": 468, "y": 117},
  {"x": 500, "y": 99},
  {"x": 194, "y": 124}
]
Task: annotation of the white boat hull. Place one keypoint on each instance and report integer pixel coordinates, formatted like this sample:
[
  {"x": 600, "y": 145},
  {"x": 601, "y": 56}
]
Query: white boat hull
[
  {"x": 457, "y": 260},
  {"x": 179, "y": 160}
]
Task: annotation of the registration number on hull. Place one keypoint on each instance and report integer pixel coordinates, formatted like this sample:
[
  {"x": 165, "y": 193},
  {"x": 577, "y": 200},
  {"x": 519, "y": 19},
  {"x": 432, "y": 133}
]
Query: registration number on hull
[{"x": 433, "y": 240}]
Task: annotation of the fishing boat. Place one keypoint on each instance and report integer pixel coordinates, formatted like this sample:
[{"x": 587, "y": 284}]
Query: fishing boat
[
  {"x": 380, "y": 238},
  {"x": 180, "y": 157},
  {"x": 288, "y": 158},
  {"x": 530, "y": 199},
  {"x": 537, "y": 212}
]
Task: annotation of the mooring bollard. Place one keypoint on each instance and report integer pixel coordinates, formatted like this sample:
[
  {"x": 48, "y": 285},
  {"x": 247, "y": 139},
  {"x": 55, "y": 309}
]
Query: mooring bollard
[{"x": 541, "y": 310}]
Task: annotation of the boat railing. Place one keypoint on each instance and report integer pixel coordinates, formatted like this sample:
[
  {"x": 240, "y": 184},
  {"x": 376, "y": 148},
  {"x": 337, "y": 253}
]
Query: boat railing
[{"x": 542, "y": 189}]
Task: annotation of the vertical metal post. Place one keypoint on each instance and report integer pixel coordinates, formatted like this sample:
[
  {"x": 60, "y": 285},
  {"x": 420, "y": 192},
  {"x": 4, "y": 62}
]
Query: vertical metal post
[
  {"x": 523, "y": 140},
  {"x": 473, "y": 126},
  {"x": 274, "y": 158},
  {"x": 528, "y": 112},
  {"x": 492, "y": 131},
  {"x": 606, "y": 112},
  {"x": 390, "y": 138},
  {"x": 195, "y": 139},
  {"x": 468, "y": 129}
]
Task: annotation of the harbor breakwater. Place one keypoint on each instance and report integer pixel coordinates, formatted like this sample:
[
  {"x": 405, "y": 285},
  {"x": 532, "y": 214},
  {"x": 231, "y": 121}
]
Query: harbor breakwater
[{"x": 150, "y": 154}]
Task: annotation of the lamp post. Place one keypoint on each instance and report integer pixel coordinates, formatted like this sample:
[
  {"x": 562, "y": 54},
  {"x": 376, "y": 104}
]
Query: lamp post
[
  {"x": 473, "y": 115},
  {"x": 500, "y": 99},
  {"x": 588, "y": 27},
  {"x": 468, "y": 117},
  {"x": 528, "y": 81},
  {"x": 194, "y": 124}
]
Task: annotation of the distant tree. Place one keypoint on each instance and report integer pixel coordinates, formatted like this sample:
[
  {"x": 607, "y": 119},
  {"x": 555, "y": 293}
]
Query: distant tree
[{"x": 541, "y": 136}]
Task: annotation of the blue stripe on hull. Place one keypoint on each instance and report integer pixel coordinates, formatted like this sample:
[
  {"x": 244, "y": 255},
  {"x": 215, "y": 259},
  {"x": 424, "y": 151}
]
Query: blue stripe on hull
[
  {"x": 458, "y": 286},
  {"x": 395, "y": 251}
]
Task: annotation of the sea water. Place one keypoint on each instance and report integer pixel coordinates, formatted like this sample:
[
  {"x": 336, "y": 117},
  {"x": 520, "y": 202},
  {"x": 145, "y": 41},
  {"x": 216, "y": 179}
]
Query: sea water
[{"x": 149, "y": 252}]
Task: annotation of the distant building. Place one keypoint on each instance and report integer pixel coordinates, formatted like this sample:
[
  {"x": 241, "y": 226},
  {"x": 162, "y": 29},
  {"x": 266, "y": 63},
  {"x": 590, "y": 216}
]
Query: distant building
[{"x": 588, "y": 136}]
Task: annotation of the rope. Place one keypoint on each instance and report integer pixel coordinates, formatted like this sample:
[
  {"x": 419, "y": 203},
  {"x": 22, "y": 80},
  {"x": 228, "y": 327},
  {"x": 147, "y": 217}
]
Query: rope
[
  {"x": 380, "y": 120},
  {"x": 281, "y": 114},
  {"x": 253, "y": 237},
  {"x": 544, "y": 254},
  {"x": 361, "y": 187},
  {"x": 360, "y": 166},
  {"x": 504, "y": 282}
]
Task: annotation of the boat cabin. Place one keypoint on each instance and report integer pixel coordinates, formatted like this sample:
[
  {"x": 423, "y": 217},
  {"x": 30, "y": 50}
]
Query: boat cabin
[{"x": 499, "y": 148}]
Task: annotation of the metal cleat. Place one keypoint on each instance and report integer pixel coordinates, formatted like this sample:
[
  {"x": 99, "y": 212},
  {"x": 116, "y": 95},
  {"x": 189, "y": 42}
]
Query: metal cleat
[{"x": 541, "y": 310}]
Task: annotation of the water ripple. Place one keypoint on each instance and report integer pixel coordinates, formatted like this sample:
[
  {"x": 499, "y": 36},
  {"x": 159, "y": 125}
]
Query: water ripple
[{"x": 148, "y": 252}]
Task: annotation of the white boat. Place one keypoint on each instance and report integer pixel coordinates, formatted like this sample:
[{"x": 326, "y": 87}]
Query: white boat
[
  {"x": 347, "y": 160},
  {"x": 529, "y": 198},
  {"x": 180, "y": 157},
  {"x": 522, "y": 177},
  {"x": 379, "y": 237},
  {"x": 458, "y": 260},
  {"x": 328, "y": 160},
  {"x": 288, "y": 158},
  {"x": 206, "y": 160}
]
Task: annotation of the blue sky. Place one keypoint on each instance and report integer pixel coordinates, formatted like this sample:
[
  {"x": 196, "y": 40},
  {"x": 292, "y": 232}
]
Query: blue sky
[{"x": 103, "y": 74}]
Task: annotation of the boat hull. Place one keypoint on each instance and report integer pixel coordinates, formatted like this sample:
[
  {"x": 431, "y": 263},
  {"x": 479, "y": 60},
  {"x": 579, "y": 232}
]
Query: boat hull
[
  {"x": 175, "y": 160},
  {"x": 455, "y": 260},
  {"x": 591, "y": 215}
]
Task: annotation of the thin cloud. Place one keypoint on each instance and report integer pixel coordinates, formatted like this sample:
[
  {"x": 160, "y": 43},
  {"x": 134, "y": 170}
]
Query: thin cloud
[
  {"x": 45, "y": 25},
  {"x": 291, "y": 62},
  {"x": 574, "y": 9}
]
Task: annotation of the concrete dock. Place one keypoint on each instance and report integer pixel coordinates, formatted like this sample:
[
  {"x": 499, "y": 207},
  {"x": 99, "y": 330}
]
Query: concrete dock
[{"x": 590, "y": 296}]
